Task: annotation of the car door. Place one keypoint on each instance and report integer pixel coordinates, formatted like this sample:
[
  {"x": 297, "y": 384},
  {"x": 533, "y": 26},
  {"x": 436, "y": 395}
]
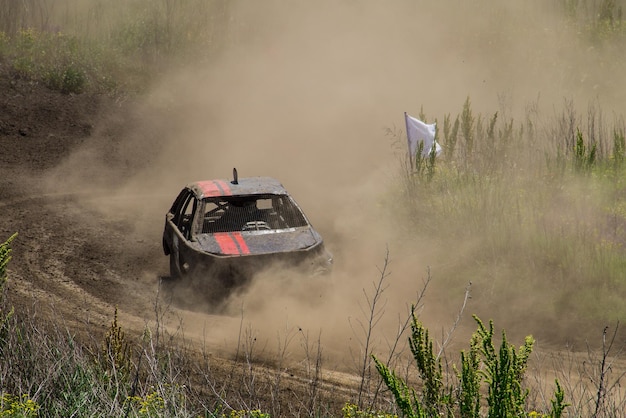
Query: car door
[{"x": 179, "y": 232}]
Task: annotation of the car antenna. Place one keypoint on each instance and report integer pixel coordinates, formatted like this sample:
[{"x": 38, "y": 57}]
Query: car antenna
[{"x": 235, "y": 177}]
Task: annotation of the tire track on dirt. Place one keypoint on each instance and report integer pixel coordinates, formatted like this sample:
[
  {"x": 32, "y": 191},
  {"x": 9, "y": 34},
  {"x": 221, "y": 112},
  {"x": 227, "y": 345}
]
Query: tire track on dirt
[{"x": 65, "y": 256}]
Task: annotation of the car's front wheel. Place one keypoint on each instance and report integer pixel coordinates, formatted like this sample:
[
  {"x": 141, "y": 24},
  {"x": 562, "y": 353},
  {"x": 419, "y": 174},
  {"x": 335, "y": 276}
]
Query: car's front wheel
[
  {"x": 175, "y": 272},
  {"x": 178, "y": 267}
]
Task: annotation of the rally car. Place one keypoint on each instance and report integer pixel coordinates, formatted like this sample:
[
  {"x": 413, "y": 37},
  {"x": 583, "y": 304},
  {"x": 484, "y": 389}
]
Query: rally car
[{"x": 228, "y": 230}]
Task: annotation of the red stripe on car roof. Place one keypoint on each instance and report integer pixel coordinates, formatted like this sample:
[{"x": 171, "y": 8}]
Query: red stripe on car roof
[
  {"x": 223, "y": 185},
  {"x": 232, "y": 243},
  {"x": 212, "y": 188}
]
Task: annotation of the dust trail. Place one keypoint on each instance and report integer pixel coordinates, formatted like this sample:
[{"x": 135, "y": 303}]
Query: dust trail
[{"x": 304, "y": 94}]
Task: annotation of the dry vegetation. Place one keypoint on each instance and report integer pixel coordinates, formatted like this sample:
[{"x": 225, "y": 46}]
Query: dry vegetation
[{"x": 526, "y": 203}]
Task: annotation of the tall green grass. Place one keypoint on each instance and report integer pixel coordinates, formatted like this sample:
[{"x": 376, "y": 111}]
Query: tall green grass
[
  {"x": 540, "y": 204},
  {"x": 116, "y": 46}
]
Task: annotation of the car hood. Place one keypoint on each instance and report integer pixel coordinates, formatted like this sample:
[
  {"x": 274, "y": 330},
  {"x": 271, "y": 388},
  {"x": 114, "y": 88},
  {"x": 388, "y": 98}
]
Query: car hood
[{"x": 258, "y": 242}]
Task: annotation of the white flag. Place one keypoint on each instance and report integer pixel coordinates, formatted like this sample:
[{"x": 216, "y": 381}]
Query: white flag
[{"x": 417, "y": 131}]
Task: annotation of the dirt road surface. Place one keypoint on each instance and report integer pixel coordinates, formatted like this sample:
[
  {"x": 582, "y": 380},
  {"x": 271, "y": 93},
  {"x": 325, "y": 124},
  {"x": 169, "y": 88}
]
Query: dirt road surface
[
  {"x": 66, "y": 257},
  {"x": 85, "y": 249}
]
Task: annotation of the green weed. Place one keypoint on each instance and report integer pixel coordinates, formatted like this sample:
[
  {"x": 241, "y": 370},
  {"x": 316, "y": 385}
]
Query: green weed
[
  {"x": 18, "y": 406},
  {"x": 151, "y": 405},
  {"x": 5, "y": 315},
  {"x": 116, "y": 351},
  {"x": 106, "y": 47},
  {"x": 5, "y": 257},
  {"x": 500, "y": 370}
]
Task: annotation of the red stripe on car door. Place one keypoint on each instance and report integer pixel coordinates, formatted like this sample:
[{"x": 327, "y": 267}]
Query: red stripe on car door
[{"x": 232, "y": 243}]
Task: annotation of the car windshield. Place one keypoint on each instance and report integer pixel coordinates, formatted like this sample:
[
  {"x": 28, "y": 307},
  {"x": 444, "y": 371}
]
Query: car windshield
[{"x": 251, "y": 213}]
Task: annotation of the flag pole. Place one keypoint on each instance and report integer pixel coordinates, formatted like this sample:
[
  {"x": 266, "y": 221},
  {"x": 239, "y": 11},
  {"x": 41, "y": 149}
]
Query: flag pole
[{"x": 406, "y": 123}]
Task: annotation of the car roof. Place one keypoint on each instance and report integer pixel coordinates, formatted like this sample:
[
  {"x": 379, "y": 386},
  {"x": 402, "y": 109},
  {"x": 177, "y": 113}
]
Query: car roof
[{"x": 243, "y": 186}]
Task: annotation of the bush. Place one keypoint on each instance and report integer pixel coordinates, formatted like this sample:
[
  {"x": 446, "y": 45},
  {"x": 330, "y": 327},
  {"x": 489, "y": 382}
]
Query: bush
[
  {"x": 501, "y": 370},
  {"x": 70, "y": 79}
]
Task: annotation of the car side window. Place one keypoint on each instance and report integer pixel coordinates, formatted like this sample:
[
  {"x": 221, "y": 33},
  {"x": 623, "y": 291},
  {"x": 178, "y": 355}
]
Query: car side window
[
  {"x": 178, "y": 205},
  {"x": 185, "y": 208}
]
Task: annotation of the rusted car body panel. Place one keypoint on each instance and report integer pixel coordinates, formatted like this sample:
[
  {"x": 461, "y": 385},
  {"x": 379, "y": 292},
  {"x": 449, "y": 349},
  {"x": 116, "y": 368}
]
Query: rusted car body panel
[
  {"x": 230, "y": 230},
  {"x": 243, "y": 187}
]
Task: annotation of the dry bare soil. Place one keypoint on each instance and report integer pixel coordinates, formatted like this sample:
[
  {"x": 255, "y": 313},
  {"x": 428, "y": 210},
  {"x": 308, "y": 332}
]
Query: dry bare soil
[
  {"x": 77, "y": 262},
  {"x": 74, "y": 263}
]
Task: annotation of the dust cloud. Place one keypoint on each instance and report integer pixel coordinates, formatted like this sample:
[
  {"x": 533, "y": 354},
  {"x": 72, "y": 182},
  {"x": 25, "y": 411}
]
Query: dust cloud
[{"x": 304, "y": 92}]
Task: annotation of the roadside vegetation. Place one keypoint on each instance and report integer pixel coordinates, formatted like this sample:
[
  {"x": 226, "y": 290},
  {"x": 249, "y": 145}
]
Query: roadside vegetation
[
  {"x": 114, "y": 47},
  {"x": 541, "y": 201},
  {"x": 541, "y": 198}
]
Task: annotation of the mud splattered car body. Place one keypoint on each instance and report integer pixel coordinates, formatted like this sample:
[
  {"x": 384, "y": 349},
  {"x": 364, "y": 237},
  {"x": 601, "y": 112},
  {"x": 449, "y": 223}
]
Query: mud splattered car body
[{"x": 232, "y": 229}]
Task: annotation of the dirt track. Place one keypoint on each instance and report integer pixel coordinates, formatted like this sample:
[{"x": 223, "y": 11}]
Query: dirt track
[
  {"x": 65, "y": 257},
  {"x": 83, "y": 252}
]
